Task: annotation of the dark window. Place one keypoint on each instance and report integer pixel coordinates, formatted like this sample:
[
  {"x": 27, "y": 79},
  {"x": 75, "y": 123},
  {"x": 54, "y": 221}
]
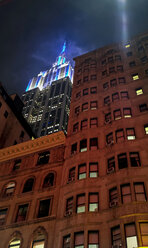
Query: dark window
[
  {"x": 143, "y": 107},
  {"x": 107, "y": 100},
  {"x": 81, "y": 171},
  {"x": 75, "y": 127},
  {"x": 69, "y": 206},
  {"x": 93, "y": 122},
  {"x": 21, "y": 213},
  {"x": 93, "y": 77},
  {"x": 48, "y": 181},
  {"x": 85, "y": 106},
  {"x": 93, "y": 202},
  {"x": 93, "y": 90},
  {"x": 103, "y": 62},
  {"x": 112, "y": 69},
  {"x": 6, "y": 114},
  {"x": 104, "y": 73},
  {"x": 93, "y": 143},
  {"x": 3, "y": 213},
  {"x": 17, "y": 164},
  {"x": 79, "y": 82},
  {"x": 77, "y": 110},
  {"x": 117, "y": 57},
  {"x": 144, "y": 233},
  {"x": 115, "y": 97},
  {"x": 110, "y": 59},
  {"x": 93, "y": 169},
  {"x": 108, "y": 118},
  {"x": 79, "y": 240},
  {"x": 130, "y": 234},
  {"x": 119, "y": 135},
  {"x": 116, "y": 236},
  {"x": 81, "y": 203},
  {"x": 28, "y": 185},
  {"x": 122, "y": 161},
  {"x": 85, "y": 79},
  {"x": 135, "y": 159},
  {"x": 43, "y": 208},
  {"x": 113, "y": 197},
  {"x": 127, "y": 112},
  {"x": 113, "y": 82},
  {"x": 129, "y": 54},
  {"x": 78, "y": 95},
  {"x": 83, "y": 145},
  {"x": 140, "y": 194},
  {"x": 93, "y": 105},
  {"x": 85, "y": 92},
  {"x": 140, "y": 49},
  {"x": 121, "y": 80},
  {"x": 43, "y": 158},
  {"x": 117, "y": 114},
  {"x": 120, "y": 68},
  {"x": 109, "y": 139},
  {"x": 74, "y": 148},
  {"x": 132, "y": 64},
  {"x": 130, "y": 133},
  {"x": 111, "y": 165},
  {"x": 84, "y": 124},
  {"x": 124, "y": 95},
  {"x": 93, "y": 239},
  {"x": 126, "y": 193},
  {"x": 105, "y": 85},
  {"x": 66, "y": 241},
  {"x": 71, "y": 176}
]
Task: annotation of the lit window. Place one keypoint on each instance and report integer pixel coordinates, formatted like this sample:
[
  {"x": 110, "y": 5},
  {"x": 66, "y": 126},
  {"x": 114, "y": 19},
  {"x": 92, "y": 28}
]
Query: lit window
[
  {"x": 85, "y": 106},
  {"x": 131, "y": 237},
  {"x": 81, "y": 203},
  {"x": 130, "y": 133},
  {"x": 15, "y": 243},
  {"x": 93, "y": 122},
  {"x": 127, "y": 45},
  {"x": 122, "y": 161},
  {"x": 139, "y": 91},
  {"x": 84, "y": 124},
  {"x": 39, "y": 242},
  {"x": 116, "y": 236},
  {"x": 79, "y": 240},
  {"x": 113, "y": 197},
  {"x": 71, "y": 176},
  {"x": 127, "y": 112},
  {"x": 22, "y": 212},
  {"x": 93, "y": 169},
  {"x": 135, "y": 76},
  {"x": 66, "y": 241},
  {"x": 69, "y": 206},
  {"x": 126, "y": 193},
  {"x": 9, "y": 189},
  {"x": 3, "y": 213},
  {"x": 83, "y": 145},
  {"x": 93, "y": 143},
  {"x": 119, "y": 135},
  {"x": 144, "y": 233},
  {"x": 117, "y": 114},
  {"x": 93, "y": 239},
  {"x": 135, "y": 159},
  {"x": 93, "y": 202},
  {"x": 44, "y": 207},
  {"x": 82, "y": 171},
  {"x": 139, "y": 191},
  {"x": 146, "y": 129}
]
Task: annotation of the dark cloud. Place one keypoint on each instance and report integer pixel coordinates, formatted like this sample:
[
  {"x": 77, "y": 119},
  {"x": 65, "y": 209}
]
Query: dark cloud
[{"x": 33, "y": 31}]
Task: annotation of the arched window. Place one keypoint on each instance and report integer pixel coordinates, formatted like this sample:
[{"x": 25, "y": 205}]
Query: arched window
[
  {"x": 15, "y": 243},
  {"x": 49, "y": 180},
  {"x": 28, "y": 185},
  {"x": 39, "y": 238},
  {"x": 9, "y": 189}
]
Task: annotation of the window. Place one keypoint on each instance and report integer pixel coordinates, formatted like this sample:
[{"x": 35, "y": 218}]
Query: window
[
  {"x": 3, "y": 213},
  {"x": 85, "y": 106},
  {"x": 108, "y": 118},
  {"x": 139, "y": 91},
  {"x": 117, "y": 114},
  {"x": 111, "y": 164},
  {"x": 144, "y": 233},
  {"x": 44, "y": 207},
  {"x": 143, "y": 107},
  {"x": 84, "y": 124},
  {"x": 139, "y": 191},
  {"x": 103, "y": 62},
  {"x": 9, "y": 189},
  {"x": 132, "y": 64},
  {"x": 93, "y": 143},
  {"x": 112, "y": 69},
  {"x": 105, "y": 85},
  {"x": 22, "y": 134},
  {"x": 48, "y": 181},
  {"x": 81, "y": 171},
  {"x": 93, "y": 90},
  {"x": 78, "y": 95},
  {"x": 93, "y": 169},
  {"x": 79, "y": 82},
  {"x": 126, "y": 193},
  {"x": 74, "y": 148},
  {"x": 116, "y": 236},
  {"x": 93, "y": 77},
  {"x": 107, "y": 100},
  {"x": 120, "y": 68},
  {"x": 135, "y": 159},
  {"x": 83, "y": 145},
  {"x": 93, "y": 122},
  {"x": 113, "y": 197},
  {"x": 43, "y": 158},
  {"x": 130, "y": 133},
  {"x": 93, "y": 239},
  {"x": 79, "y": 240},
  {"x": 117, "y": 57},
  {"x": 122, "y": 161},
  {"x": 129, "y": 54},
  {"x": 115, "y": 97},
  {"x": 104, "y": 73},
  {"x": 110, "y": 59},
  {"x": 39, "y": 241},
  {"x": 21, "y": 213},
  {"x": 71, "y": 176},
  {"x": 76, "y": 127},
  {"x": 113, "y": 82},
  {"x": 127, "y": 112},
  {"x": 6, "y": 114},
  {"x": 15, "y": 243},
  {"x": 85, "y": 92},
  {"x": 77, "y": 110},
  {"x": 66, "y": 241},
  {"x": 121, "y": 80},
  {"x": 131, "y": 237},
  {"x": 81, "y": 203},
  {"x": 124, "y": 95},
  {"x": 127, "y": 45},
  {"x": 146, "y": 128},
  {"x": 69, "y": 206},
  {"x": 85, "y": 79},
  {"x": 119, "y": 135},
  {"x": 109, "y": 139},
  {"x": 93, "y": 202},
  {"x": 93, "y": 105},
  {"x": 17, "y": 164},
  {"x": 28, "y": 185},
  {"x": 135, "y": 76}
]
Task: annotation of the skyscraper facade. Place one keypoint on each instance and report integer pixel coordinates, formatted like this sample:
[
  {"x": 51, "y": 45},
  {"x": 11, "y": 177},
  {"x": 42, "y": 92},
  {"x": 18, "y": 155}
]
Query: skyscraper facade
[{"x": 47, "y": 98}]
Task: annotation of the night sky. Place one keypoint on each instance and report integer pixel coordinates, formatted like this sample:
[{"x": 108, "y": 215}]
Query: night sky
[{"x": 32, "y": 32}]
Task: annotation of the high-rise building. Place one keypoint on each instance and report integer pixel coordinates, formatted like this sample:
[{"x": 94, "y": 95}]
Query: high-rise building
[
  {"x": 47, "y": 98},
  {"x": 96, "y": 193}
]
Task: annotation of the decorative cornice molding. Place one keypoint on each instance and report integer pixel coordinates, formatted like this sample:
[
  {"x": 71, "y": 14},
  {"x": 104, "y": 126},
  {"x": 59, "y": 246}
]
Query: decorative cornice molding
[{"x": 32, "y": 146}]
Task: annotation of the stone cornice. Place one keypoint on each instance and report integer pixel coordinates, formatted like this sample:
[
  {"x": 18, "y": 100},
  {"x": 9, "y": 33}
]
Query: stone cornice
[{"x": 32, "y": 146}]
